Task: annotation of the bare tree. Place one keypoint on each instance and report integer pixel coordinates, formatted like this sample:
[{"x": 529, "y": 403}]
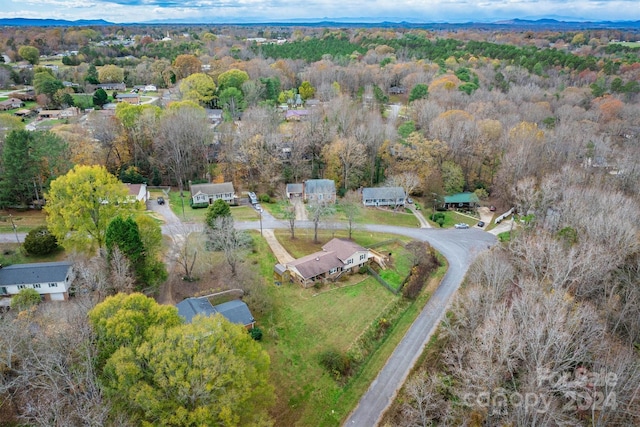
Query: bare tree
[
  {"x": 409, "y": 181},
  {"x": 351, "y": 205},
  {"x": 317, "y": 212},
  {"x": 224, "y": 237}
]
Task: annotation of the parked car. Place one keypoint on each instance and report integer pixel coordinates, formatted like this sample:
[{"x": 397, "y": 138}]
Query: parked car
[
  {"x": 409, "y": 200},
  {"x": 160, "y": 200},
  {"x": 258, "y": 207},
  {"x": 461, "y": 225},
  {"x": 492, "y": 208},
  {"x": 481, "y": 224}
]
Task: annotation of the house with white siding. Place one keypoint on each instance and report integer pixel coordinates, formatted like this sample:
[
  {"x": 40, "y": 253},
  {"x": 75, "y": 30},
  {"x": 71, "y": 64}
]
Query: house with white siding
[
  {"x": 52, "y": 280},
  {"x": 383, "y": 196}
]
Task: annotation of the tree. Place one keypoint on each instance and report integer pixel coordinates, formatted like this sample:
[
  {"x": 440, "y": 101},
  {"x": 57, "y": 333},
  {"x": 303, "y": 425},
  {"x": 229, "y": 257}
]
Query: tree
[
  {"x": 125, "y": 235},
  {"x": 186, "y": 65},
  {"x": 345, "y": 159},
  {"x": 317, "y": 212},
  {"x": 232, "y": 78},
  {"x": 419, "y": 91},
  {"x": 198, "y": 87},
  {"x": 452, "y": 177},
  {"x": 81, "y": 204},
  {"x": 123, "y": 321},
  {"x": 306, "y": 91},
  {"x": 30, "y": 160},
  {"x": 29, "y": 54},
  {"x": 208, "y": 372},
  {"x": 232, "y": 101},
  {"x": 92, "y": 75},
  {"x": 39, "y": 241},
  {"x": 181, "y": 146},
  {"x": 352, "y": 207},
  {"x": 25, "y": 299},
  {"x": 223, "y": 236},
  {"x": 46, "y": 84},
  {"x": 217, "y": 209},
  {"x": 100, "y": 97},
  {"x": 111, "y": 74}
]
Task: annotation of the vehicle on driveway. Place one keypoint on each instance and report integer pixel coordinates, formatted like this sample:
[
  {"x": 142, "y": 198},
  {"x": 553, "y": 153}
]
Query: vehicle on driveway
[
  {"x": 461, "y": 225},
  {"x": 492, "y": 208},
  {"x": 409, "y": 200},
  {"x": 258, "y": 207},
  {"x": 481, "y": 224},
  {"x": 160, "y": 200}
]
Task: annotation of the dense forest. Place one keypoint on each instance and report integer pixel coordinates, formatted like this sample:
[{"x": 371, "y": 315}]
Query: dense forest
[{"x": 545, "y": 331}]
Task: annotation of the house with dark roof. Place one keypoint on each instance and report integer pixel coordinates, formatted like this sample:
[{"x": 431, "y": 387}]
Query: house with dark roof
[
  {"x": 234, "y": 311},
  {"x": 11, "y": 103},
  {"x": 137, "y": 192},
  {"x": 295, "y": 190},
  {"x": 131, "y": 98},
  {"x": 461, "y": 201},
  {"x": 209, "y": 193},
  {"x": 383, "y": 196},
  {"x": 337, "y": 257},
  {"x": 320, "y": 191},
  {"x": 52, "y": 280}
]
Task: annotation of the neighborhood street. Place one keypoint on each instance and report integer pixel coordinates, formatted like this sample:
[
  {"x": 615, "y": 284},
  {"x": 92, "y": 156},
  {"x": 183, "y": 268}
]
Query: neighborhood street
[{"x": 459, "y": 247}]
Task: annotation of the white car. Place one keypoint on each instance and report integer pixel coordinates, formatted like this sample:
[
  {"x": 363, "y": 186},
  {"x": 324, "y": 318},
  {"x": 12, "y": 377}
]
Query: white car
[
  {"x": 461, "y": 225},
  {"x": 258, "y": 207}
]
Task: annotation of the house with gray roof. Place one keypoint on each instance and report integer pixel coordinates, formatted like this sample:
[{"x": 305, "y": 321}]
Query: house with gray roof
[
  {"x": 52, "y": 280},
  {"x": 320, "y": 191},
  {"x": 209, "y": 193},
  {"x": 235, "y": 311},
  {"x": 295, "y": 190},
  {"x": 383, "y": 196},
  {"x": 337, "y": 257}
]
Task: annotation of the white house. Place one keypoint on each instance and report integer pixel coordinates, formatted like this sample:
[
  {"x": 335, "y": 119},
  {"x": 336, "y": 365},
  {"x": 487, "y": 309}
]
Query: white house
[
  {"x": 137, "y": 192},
  {"x": 209, "y": 193},
  {"x": 52, "y": 280},
  {"x": 383, "y": 196}
]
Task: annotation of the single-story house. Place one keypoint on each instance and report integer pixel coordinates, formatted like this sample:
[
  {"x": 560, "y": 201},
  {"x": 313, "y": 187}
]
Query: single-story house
[
  {"x": 150, "y": 88},
  {"x": 383, "y": 196},
  {"x": 49, "y": 114},
  {"x": 70, "y": 112},
  {"x": 235, "y": 311},
  {"x": 295, "y": 190},
  {"x": 131, "y": 98},
  {"x": 209, "y": 193},
  {"x": 109, "y": 86},
  {"x": 320, "y": 190},
  {"x": 295, "y": 114},
  {"x": 137, "y": 192},
  {"x": 52, "y": 280},
  {"x": 337, "y": 257},
  {"x": 10, "y": 104},
  {"x": 24, "y": 112},
  {"x": 461, "y": 201}
]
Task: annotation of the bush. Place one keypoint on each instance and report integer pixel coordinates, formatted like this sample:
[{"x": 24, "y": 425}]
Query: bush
[
  {"x": 25, "y": 299},
  {"x": 335, "y": 363},
  {"x": 256, "y": 333},
  {"x": 199, "y": 205},
  {"x": 265, "y": 198},
  {"x": 40, "y": 241}
]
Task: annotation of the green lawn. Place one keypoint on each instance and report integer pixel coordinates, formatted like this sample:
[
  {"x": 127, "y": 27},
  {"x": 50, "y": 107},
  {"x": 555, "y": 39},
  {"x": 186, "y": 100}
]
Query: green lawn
[
  {"x": 23, "y": 220},
  {"x": 306, "y": 322},
  {"x": 189, "y": 214},
  {"x": 451, "y": 218}
]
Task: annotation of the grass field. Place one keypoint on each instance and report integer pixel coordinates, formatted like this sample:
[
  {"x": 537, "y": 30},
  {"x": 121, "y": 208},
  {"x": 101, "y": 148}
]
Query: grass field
[{"x": 23, "y": 220}]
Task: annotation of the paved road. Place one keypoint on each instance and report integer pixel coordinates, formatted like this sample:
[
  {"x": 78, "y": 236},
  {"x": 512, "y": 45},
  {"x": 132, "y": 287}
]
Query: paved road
[{"x": 460, "y": 247}]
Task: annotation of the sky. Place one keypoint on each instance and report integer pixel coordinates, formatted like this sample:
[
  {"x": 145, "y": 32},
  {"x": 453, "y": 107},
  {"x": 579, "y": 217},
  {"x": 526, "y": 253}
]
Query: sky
[{"x": 230, "y": 11}]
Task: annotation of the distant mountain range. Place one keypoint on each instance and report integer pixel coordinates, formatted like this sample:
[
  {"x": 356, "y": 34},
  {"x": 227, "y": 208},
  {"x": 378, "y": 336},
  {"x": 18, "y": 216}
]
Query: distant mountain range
[
  {"x": 545, "y": 23},
  {"x": 28, "y": 22}
]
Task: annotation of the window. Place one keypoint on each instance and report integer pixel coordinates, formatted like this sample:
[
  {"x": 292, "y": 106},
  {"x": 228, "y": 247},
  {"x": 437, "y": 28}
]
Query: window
[
  {"x": 363, "y": 256},
  {"x": 333, "y": 270},
  {"x": 53, "y": 285},
  {"x": 349, "y": 261},
  {"x": 21, "y": 286},
  {"x": 37, "y": 286}
]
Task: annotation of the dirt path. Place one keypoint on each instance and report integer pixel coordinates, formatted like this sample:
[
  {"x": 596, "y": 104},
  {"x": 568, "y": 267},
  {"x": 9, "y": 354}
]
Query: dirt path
[{"x": 301, "y": 210}]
